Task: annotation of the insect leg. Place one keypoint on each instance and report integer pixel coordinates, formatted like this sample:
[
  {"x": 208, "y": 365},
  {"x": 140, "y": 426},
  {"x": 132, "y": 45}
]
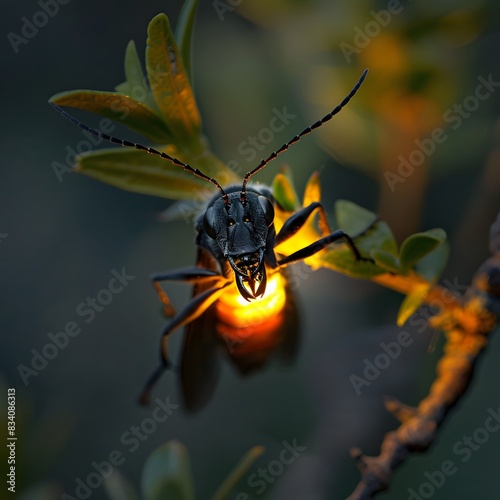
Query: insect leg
[
  {"x": 188, "y": 275},
  {"x": 299, "y": 218},
  {"x": 193, "y": 310},
  {"x": 318, "y": 245}
]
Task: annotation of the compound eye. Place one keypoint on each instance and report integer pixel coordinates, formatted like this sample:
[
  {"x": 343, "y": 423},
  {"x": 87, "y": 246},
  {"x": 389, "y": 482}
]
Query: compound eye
[
  {"x": 209, "y": 223},
  {"x": 268, "y": 209}
]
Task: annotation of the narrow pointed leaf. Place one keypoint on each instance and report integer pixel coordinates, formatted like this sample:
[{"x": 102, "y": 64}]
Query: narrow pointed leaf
[
  {"x": 184, "y": 32},
  {"x": 169, "y": 82},
  {"x": 284, "y": 193},
  {"x": 312, "y": 192},
  {"x": 238, "y": 472},
  {"x": 133, "y": 72},
  {"x": 418, "y": 245},
  {"x": 120, "y": 108},
  {"x": 135, "y": 79},
  {"x": 411, "y": 303},
  {"x": 167, "y": 474},
  {"x": 141, "y": 173}
]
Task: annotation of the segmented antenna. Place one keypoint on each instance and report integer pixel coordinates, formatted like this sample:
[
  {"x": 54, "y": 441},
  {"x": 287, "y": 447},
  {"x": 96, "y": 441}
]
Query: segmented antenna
[
  {"x": 140, "y": 147},
  {"x": 297, "y": 138}
]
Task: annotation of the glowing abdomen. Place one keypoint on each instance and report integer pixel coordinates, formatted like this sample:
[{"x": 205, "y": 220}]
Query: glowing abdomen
[{"x": 254, "y": 325}]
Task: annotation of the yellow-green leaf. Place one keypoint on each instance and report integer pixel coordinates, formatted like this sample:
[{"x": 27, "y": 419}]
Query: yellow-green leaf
[
  {"x": 142, "y": 173},
  {"x": 340, "y": 257},
  {"x": 312, "y": 192},
  {"x": 418, "y": 245},
  {"x": 352, "y": 218},
  {"x": 284, "y": 193},
  {"x": 169, "y": 82},
  {"x": 412, "y": 302},
  {"x": 367, "y": 232},
  {"x": 433, "y": 264},
  {"x": 135, "y": 85},
  {"x": 120, "y": 108},
  {"x": 184, "y": 32},
  {"x": 133, "y": 69}
]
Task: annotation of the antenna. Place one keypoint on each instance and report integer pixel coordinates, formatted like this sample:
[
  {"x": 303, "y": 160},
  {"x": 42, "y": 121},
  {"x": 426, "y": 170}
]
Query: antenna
[
  {"x": 297, "y": 138},
  {"x": 140, "y": 147},
  {"x": 197, "y": 172}
]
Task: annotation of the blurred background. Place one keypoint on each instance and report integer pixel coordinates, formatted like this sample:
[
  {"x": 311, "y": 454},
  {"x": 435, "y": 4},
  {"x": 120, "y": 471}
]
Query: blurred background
[{"x": 61, "y": 237}]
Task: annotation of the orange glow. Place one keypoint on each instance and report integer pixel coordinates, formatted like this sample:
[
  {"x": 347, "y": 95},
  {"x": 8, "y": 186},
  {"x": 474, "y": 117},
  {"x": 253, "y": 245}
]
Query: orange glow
[
  {"x": 240, "y": 319},
  {"x": 306, "y": 235}
]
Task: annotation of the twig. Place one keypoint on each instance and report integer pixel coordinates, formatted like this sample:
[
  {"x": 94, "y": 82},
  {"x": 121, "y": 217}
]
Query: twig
[
  {"x": 466, "y": 328},
  {"x": 437, "y": 296}
]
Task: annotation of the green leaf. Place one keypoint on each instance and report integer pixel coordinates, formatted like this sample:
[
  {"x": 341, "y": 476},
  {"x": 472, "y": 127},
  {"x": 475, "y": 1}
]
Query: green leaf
[
  {"x": 118, "y": 488},
  {"x": 284, "y": 193},
  {"x": 238, "y": 472},
  {"x": 135, "y": 78},
  {"x": 184, "y": 32},
  {"x": 433, "y": 264},
  {"x": 352, "y": 218},
  {"x": 118, "y": 107},
  {"x": 135, "y": 85},
  {"x": 167, "y": 474},
  {"x": 340, "y": 257},
  {"x": 385, "y": 260},
  {"x": 418, "y": 245},
  {"x": 412, "y": 302},
  {"x": 142, "y": 173},
  {"x": 367, "y": 232},
  {"x": 133, "y": 69},
  {"x": 169, "y": 82}
]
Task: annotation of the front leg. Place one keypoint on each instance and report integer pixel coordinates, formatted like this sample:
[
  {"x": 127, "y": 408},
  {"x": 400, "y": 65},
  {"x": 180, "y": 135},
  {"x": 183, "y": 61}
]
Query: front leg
[
  {"x": 319, "y": 245},
  {"x": 293, "y": 224},
  {"x": 195, "y": 308},
  {"x": 299, "y": 218},
  {"x": 189, "y": 275}
]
